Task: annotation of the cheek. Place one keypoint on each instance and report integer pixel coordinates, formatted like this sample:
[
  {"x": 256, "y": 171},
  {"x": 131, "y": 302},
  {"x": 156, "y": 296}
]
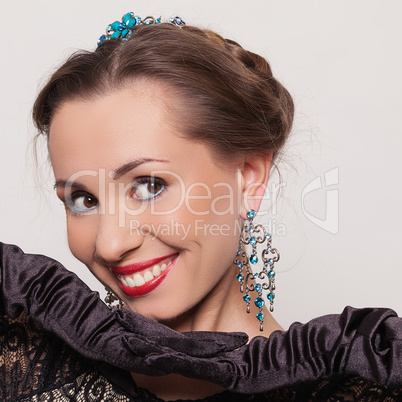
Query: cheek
[
  {"x": 81, "y": 238},
  {"x": 204, "y": 213}
]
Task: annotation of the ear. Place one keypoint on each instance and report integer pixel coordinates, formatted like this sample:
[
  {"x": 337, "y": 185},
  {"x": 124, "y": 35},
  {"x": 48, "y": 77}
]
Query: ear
[{"x": 254, "y": 175}]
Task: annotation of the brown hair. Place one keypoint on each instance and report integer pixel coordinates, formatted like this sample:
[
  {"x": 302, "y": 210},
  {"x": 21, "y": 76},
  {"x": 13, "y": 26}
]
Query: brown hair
[{"x": 231, "y": 101}]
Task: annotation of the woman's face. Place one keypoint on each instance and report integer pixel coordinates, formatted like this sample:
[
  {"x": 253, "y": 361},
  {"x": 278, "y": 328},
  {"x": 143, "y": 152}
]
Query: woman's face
[{"x": 149, "y": 212}]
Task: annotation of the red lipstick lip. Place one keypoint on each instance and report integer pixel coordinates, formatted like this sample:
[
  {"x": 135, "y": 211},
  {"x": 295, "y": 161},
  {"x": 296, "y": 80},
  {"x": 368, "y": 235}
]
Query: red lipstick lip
[
  {"x": 148, "y": 287},
  {"x": 139, "y": 266}
]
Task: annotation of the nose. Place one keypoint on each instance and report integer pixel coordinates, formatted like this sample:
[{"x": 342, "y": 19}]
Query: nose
[{"x": 115, "y": 240}]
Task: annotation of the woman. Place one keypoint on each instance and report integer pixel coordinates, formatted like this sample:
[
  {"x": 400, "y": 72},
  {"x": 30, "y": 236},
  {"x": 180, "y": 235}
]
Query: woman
[
  {"x": 155, "y": 210},
  {"x": 161, "y": 146}
]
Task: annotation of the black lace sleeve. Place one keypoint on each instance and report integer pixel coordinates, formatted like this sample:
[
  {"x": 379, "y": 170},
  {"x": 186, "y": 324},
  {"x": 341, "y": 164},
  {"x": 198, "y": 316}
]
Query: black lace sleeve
[
  {"x": 33, "y": 360},
  {"x": 35, "y": 365}
]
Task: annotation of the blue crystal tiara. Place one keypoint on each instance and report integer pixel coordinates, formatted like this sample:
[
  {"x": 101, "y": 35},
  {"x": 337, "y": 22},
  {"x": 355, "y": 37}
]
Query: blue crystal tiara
[{"x": 124, "y": 29}]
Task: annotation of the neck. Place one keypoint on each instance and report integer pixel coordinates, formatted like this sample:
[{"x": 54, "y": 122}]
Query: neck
[{"x": 222, "y": 310}]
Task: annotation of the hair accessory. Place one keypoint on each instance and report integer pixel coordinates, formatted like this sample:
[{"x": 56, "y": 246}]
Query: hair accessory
[
  {"x": 253, "y": 234},
  {"x": 124, "y": 29},
  {"x": 112, "y": 301}
]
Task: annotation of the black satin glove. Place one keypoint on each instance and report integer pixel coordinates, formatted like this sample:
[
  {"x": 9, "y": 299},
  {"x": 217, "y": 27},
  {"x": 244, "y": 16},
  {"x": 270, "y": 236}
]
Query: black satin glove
[
  {"x": 61, "y": 303},
  {"x": 364, "y": 342}
]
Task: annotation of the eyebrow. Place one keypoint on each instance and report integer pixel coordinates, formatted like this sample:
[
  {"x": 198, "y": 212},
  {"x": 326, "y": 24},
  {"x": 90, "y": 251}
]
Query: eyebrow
[
  {"x": 119, "y": 172},
  {"x": 66, "y": 183}
]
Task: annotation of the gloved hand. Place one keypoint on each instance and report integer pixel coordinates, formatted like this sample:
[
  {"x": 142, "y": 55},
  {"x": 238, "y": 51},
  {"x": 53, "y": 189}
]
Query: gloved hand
[
  {"x": 60, "y": 302},
  {"x": 365, "y": 342}
]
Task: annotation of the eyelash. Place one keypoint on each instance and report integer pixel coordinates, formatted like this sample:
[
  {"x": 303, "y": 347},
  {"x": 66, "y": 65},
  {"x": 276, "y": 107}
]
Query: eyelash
[
  {"x": 150, "y": 180},
  {"x": 72, "y": 199}
]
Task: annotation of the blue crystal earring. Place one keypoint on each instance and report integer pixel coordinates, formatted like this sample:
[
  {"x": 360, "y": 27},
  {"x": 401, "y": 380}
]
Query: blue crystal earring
[{"x": 252, "y": 235}]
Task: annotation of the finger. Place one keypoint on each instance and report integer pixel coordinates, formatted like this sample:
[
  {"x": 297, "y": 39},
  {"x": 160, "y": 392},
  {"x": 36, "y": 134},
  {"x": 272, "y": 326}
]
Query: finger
[
  {"x": 199, "y": 344},
  {"x": 226, "y": 341},
  {"x": 219, "y": 372}
]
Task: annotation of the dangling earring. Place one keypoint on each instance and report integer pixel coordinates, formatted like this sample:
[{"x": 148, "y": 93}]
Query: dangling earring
[
  {"x": 112, "y": 301},
  {"x": 253, "y": 234}
]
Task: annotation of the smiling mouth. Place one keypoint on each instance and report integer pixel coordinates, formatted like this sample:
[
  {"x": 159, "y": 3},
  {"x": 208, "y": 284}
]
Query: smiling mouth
[
  {"x": 142, "y": 278},
  {"x": 139, "y": 279}
]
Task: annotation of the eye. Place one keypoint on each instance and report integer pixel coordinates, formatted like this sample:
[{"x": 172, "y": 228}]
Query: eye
[
  {"x": 148, "y": 187},
  {"x": 81, "y": 202}
]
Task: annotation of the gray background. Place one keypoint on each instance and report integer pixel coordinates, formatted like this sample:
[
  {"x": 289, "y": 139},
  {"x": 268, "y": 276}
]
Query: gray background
[{"x": 340, "y": 60}]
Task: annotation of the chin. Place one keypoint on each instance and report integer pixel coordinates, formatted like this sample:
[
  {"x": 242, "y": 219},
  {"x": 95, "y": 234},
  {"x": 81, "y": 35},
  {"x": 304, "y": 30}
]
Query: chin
[{"x": 168, "y": 315}]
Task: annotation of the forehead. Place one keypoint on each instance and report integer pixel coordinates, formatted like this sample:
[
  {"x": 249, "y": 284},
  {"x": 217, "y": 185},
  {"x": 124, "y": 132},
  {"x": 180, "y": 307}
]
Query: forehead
[{"x": 110, "y": 129}]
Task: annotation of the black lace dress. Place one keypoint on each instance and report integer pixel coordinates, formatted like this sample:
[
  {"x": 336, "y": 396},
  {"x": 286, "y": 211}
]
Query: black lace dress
[{"x": 35, "y": 365}]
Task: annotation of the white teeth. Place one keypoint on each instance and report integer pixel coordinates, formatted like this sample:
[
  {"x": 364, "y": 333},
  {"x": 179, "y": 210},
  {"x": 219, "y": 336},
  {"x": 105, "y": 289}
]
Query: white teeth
[
  {"x": 130, "y": 282},
  {"x": 139, "y": 280},
  {"x": 156, "y": 270},
  {"x": 148, "y": 276}
]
